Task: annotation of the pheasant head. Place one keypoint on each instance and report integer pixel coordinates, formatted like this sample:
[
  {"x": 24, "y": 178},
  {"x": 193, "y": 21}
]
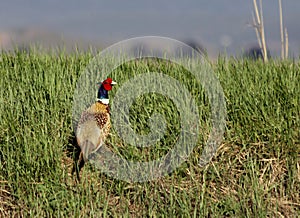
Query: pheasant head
[{"x": 104, "y": 87}]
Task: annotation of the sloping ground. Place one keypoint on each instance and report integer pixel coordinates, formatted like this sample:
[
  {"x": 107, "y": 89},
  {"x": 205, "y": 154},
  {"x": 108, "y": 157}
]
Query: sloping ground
[{"x": 256, "y": 171}]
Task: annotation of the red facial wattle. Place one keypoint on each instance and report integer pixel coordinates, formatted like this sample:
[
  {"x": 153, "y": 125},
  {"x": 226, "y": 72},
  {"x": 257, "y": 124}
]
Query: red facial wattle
[{"x": 107, "y": 84}]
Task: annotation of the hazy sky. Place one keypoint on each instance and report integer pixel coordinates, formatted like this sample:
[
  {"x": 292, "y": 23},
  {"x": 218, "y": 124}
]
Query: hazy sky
[{"x": 213, "y": 23}]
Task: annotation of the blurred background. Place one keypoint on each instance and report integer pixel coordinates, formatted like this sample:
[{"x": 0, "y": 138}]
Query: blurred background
[{"x": 215, "y": 26}]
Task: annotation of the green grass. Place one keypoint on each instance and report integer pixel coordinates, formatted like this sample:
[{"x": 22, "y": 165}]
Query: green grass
[{"x": 255, "y": 173}]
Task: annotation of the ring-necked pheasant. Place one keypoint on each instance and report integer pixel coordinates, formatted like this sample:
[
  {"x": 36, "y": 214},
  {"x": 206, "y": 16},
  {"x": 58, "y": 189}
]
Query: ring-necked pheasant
[{"x": 94, "y": 124}]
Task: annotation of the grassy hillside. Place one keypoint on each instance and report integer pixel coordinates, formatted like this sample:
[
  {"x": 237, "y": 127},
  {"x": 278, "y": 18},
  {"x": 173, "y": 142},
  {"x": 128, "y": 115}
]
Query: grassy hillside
[{"x": 256, "y": 172}]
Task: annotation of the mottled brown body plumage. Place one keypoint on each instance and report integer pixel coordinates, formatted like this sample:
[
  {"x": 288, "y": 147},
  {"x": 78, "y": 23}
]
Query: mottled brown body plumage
[{"x": 93, "y": 128}]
